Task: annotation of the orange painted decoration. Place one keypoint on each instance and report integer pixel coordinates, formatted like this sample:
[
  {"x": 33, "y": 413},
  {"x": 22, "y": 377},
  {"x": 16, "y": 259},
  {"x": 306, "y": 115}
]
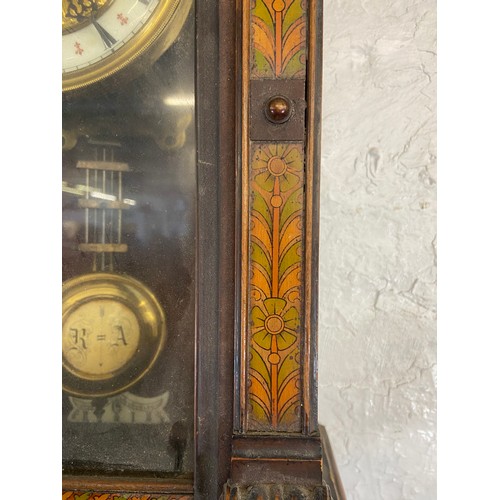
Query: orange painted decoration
[
  {"x": 92, "y": 495},
  {"x": 278, "y": 38},
  {"x": 276, "y": 215}
]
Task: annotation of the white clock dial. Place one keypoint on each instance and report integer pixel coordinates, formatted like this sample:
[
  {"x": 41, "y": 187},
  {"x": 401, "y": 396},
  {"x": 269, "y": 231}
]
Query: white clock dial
[
  {"x": 99, "y": 36},
  {"x": 102, "y": 37}
]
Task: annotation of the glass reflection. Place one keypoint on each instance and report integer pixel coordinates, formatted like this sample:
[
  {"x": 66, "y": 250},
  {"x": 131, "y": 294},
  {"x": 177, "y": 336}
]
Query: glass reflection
[{"x": 133, "y": 214}]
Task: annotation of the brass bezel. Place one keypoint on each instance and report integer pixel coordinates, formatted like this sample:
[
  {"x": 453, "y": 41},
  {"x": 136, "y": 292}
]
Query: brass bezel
[
  {"x": 137, "y": 297},
  {"x": 160, "y": 31}
]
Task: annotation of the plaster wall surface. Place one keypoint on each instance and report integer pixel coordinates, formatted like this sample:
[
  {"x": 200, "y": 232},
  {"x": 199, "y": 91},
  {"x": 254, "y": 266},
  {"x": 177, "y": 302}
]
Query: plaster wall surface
[{"x": 377, "y": 309}]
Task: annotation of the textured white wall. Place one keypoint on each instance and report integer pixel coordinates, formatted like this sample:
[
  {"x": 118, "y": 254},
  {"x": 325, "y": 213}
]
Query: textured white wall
[{"x": 377, "y": 365}]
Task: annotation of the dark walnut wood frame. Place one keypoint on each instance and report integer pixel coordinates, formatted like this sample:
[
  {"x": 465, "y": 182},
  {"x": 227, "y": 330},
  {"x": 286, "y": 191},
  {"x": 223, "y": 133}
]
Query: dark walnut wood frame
[{"x": 257, "y": 434}]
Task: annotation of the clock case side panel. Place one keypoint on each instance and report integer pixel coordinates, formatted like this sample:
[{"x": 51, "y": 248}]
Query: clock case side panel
[
  {"x": 216, "y": 115},
  {"x": 277, "y": 463}
]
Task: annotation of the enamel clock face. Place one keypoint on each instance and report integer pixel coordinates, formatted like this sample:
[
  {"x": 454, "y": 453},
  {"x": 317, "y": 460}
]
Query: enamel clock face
[
  {"x": 113, "y": 330},
  {"x": 101, "y": 37}
]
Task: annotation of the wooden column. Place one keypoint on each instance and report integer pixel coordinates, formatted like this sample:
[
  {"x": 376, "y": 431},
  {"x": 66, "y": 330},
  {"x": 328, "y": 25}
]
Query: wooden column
[{"x": 276, "y": 445}]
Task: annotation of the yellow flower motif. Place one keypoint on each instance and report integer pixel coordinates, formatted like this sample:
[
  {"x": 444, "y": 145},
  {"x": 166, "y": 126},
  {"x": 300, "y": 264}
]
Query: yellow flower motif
[
  {"x": 278, "y": 161},
  {"x": 274, "y": 321}
]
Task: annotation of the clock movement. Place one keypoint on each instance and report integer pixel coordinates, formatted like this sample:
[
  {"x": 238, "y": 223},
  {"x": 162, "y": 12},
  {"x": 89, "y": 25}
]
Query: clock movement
[{"x": 189, "y": 231}]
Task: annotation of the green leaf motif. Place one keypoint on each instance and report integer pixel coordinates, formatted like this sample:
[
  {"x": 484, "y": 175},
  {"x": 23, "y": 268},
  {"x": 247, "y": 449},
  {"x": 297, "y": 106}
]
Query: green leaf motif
[
  {"x": 290, "y": 258},
  {"x": 259, "y": 205},
  {"x": 258, "y": 364},
  {"x": 294, "y": 12},
  {"x": 260, "y": 10},
  {"x": 84, "y": 496},
  {"x": 258, "y": 256},
  {"x": 292, "y": 207},
  {"x": 288, "y": 367}
]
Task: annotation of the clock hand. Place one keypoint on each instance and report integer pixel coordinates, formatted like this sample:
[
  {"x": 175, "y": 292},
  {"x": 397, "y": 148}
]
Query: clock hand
[{"x": 108, "y": 40}]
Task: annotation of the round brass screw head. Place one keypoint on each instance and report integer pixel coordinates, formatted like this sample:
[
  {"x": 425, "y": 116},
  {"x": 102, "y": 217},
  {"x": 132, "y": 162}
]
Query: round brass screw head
[{"x": 278, "y": 109}]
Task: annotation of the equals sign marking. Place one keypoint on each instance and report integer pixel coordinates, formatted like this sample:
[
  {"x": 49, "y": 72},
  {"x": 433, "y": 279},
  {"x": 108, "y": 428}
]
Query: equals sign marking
[{"x": 101, "y": 337}]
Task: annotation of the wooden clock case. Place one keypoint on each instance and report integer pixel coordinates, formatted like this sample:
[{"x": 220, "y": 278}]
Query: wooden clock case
[{"x": 258, "y": 102}]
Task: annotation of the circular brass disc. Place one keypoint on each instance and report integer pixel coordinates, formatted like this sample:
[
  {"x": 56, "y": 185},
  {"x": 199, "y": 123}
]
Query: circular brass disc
[{"x": 113, "y": 330}]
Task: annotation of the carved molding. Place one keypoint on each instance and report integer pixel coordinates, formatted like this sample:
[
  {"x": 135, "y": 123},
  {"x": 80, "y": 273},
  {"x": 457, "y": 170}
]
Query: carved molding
[
  {"x": 93, "y": 495},
  {"x": 276, "y": 492}
]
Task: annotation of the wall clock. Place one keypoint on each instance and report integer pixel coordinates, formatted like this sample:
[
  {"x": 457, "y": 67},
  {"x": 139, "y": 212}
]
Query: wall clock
[{"x": 190, "y": 229}]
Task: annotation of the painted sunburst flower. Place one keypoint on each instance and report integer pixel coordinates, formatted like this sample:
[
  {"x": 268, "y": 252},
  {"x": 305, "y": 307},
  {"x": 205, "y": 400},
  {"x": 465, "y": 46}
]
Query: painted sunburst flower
[
  {"x": 278, "y": 161},
  {"x": 273, "y": 320}
]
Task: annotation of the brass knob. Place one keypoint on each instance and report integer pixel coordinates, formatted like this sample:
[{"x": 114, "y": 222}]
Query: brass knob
[{"x": 278, "y": 109}]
